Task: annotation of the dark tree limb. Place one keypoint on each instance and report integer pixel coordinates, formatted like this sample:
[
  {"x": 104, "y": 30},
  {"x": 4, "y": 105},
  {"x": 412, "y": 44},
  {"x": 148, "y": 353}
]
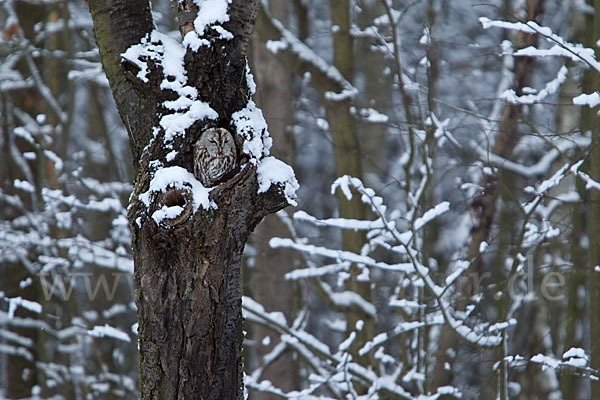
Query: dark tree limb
[{"x": 119, "y": 24}]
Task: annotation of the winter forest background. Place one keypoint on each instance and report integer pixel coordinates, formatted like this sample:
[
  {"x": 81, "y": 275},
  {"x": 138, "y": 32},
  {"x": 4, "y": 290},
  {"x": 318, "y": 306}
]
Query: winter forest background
[{"x": 446, "y": 238}]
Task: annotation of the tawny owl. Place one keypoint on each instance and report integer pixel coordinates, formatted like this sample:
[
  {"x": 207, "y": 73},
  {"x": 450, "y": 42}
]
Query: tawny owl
[{"x": 215, "y": 156}]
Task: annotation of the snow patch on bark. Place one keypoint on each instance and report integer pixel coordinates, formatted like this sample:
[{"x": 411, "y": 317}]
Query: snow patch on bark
[
  {"x": 250, "y": 79},
  {"x": 273, "y": 171},
  {"x": 176, "y": 124},
  {"x": 176, "y": 178},
  {"x": 211, "y": 13},
  {"x": 250, "y": 124},
  {"x": 169, "y": 55}
]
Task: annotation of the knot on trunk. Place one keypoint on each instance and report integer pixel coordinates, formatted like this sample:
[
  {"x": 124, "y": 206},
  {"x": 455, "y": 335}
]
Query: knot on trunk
[{"x": 175, "y": 207}]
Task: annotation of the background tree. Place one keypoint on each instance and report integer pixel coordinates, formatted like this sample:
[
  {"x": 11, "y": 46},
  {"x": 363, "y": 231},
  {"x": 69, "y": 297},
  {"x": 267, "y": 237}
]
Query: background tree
[{"x": 265, "y": 268}]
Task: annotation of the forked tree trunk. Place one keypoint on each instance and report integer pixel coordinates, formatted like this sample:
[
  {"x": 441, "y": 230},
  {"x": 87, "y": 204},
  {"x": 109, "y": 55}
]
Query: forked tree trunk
[{"x": 187, "y": 271}]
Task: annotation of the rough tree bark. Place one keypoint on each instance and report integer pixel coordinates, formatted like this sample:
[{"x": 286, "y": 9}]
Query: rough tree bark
[{"x": 187, "y": 271}]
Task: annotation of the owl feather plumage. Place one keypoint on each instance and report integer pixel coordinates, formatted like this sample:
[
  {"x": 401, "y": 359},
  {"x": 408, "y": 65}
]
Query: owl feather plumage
[{"x": 215, "y": 156}]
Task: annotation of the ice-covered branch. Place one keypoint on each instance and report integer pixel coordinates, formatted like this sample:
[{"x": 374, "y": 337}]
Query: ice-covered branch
[
  {"x": 576, "y": 52},
  {"x": 550, "y": 88},
  {"x": 341, "y": 255},
  {"x": 458, "y": 326},
  {"x": 539, "y": 168},
  {"x": 318, "y": 349},
  {"x": 575, "y": 360}
]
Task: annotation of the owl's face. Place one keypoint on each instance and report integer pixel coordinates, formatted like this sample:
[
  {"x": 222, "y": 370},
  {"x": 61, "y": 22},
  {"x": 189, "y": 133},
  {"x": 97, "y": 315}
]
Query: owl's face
[{"x": 219, "y": 144}]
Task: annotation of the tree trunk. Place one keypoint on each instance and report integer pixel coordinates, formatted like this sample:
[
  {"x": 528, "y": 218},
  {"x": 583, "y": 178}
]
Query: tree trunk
[
  {"x": 189, "y": 300},
  {"x": 342, "y": 125},
  {"x": 348, "y": 160},
  {"x": 483, "y": 207},
  {"x": 575, "y": 313},
  {"x": 187, "y": 270},
  {"x": 21, "y": 372},
  {"x": 267, "y": 276},
  {"x": 484, "y": 214}
]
